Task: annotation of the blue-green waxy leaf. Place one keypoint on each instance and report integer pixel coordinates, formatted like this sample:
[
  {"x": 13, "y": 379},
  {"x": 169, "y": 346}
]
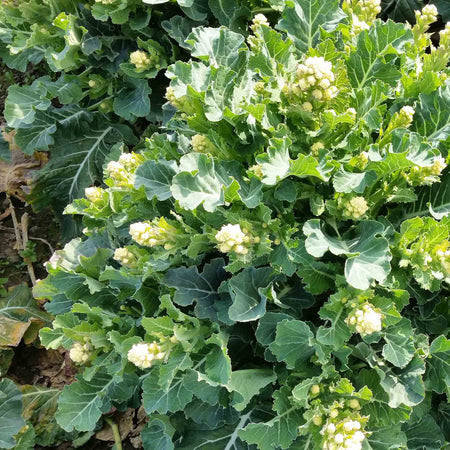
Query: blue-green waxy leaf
[
  {"x": 368, "y": 255},
  {"x": 337, "y": 331},
  {"x": 202, "y": 288},
  {"x": 292, "y": 343},
  {"x": 156, "y": 177},
  {"x": 444, "y": 9},
  {"x": 389, "y": 438},
  {"x": 199, "y": 185},
  {"x": 302, "y": 20},
  {"x": 376, "y": 53},
  {"x": 399, "y": 347},
  {"x": 81, "y": 403},
  {"x": 218, "y": 46},
  {"x": 344, "y": 181},
  {"x": 431, "y": 118},
  {"x": 23, "y": 102},
  {"x": 424, "y": 434},
  {"x": 279, "y": 432},
  {"x": 134, "y": 100},
  {"x": 437, "y": 377},
  {"x": 249, "y": 291},
  {"x": 247, "y": 383},
  {"x": 172, "y": 398},
  {"x": 11, "y": 420},
  {"x": 155, "y": 435}
]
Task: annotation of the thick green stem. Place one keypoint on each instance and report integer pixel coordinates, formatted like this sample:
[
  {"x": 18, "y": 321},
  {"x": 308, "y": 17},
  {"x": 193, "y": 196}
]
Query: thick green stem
[{"x": 116, "y": 433}]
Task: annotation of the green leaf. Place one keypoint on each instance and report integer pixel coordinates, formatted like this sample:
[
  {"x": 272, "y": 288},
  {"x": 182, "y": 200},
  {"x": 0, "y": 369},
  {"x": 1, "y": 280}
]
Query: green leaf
[
  {"x": 247, "y": 383},
  {"x": 302, "y": 21},
  {"x": 218, "y": 365},
  {"x": 368, "y": 253},
  {"x": 292, "y": 343},
  {"x": 231, "y": 13},
  {"x": 154, "y": 436},
  {"x": 172, "y": 398},
  {"x": 401, "y": 10},
  {"x": 279, "y": 432},
  {"x": 134, "y": 99},
  {"x": 376, "y": 53},
  {"x": 399, "y": 348},
  {"x": 81, "y": 403},
  {"x": 424, "y": 435},
  {"x": 444, "y": 9},
  {"x": 23, "y": 102},
  {"x": 10, "y": 413},
  {"x": 156, "y": 177},
  {"x": 430, "y": 119},
  {"x": 344, "y": 181},
  {"x": 437, "y": 377},
  {"x": 389, "y": 438},
  {"x": 199, "y": 185},
  {"x": 218, "y": 46},
  {"x": 249, "y": 291}
]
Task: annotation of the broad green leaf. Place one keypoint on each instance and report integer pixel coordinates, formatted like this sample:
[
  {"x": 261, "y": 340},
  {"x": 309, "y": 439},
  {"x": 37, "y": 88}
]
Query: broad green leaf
[
  {"x": 344, "y": 181},
  {"x": 437, "y": 377},
  {"x": 218, "y": 365},
  {"x": 199, "y": 185},
  {"x": 267, "y": 327},
  {"x": 368, "y": 253},
  {"x": 156, "y": 177},
  {"x": 389, "y": 438},
  {"x": 302, "y": 21},
  {"x": 247, "y": 383},
  {"x": 292, "y": 343},
  {"x": 10, "y": 413},
  {"x": 399, "y": 348},
  {"x": 425, "y": 434},
  {"x": 249, "y": 290},
  {"x": 443, "y": 8},
  {"x": 155, "y": 436},
  {"x": 134, "y": 100},
  {"x": 218, "y": 46},
  {"x": 430, "y": 119},
  {"x": 376, "y": 53},
  {"x": 230, "y": 13},
  {"x": 401, "y": 10},
  {"x": 174, "y": 398},
  {"x": 81, "y": 403},
  {"x": 23, "y": 102},
  {"x": 279, "y": 432}
]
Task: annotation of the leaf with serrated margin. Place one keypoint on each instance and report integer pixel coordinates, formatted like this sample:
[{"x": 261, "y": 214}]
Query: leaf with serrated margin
[
  {"x": 156, "y": 177},
  {"x": 376, "y": 53},
  {"x": 347, "y": 182},
  {"x": 303, "y": 19}
]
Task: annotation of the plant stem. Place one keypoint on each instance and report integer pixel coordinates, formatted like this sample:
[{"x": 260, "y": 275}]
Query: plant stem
[{"x": 116, "y": 433}]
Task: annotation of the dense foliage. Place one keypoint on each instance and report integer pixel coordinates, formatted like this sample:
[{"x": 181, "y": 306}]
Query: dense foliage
[{"x": 271, "y": 269}]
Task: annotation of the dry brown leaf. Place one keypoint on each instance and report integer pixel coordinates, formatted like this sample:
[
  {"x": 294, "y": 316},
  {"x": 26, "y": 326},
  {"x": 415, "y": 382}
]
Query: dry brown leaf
[{"x": 16, "y": 174}]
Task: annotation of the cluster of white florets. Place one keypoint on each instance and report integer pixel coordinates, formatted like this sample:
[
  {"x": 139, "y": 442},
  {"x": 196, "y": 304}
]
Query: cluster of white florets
[
  {"x": 444, "y": 41},
  {"x": 94, "y": 194},
  {"x": 231, "y": 238},
  {"x": 80, "y": 353},
  {"x": 354, "y": 208},
  {"x": 131, "y": 161},
  {"x": 405, "y": 116},
  {"x": 259, "y": 20},
  {"x": 428, "y": 174},
  {"x": 202, "y": 144},
  {"x": 427, "y": 16},
  {"x": 370, "y": 8},
  {"x": 141, "y": 60},
  {"x": 360, "y": 161},
  {"x": 346, "y": 435},
  {"x": 152, "y": 234},
  {"x": 358, "y": 25},
  {"x": 316, "y": 147},
  {"x": 315, "y": 79},
  {"x": 122, "y": 171},
  {"x": 143, "y": 355},
  {"x": 366, "y": 319},
  {"x": 124, "y": 256},
  {"x": 105, "y": 2}
]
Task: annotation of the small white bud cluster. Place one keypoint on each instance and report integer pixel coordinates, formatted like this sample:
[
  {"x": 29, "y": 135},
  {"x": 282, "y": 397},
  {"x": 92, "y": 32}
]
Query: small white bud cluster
[
  {"x": 152, "y": 234},
  {"x": 315, "y": 79},
  {"x": 105, "y": 2},
  {"x": 358, "y": 25},
  {"x": 231, "y": 238},
  {"x": 316, "y": 147},
  {"x": 366, "y": 319},
  {"x": 80, "y": 353},
  {"x": 257, "y": 170},
  {"x": 143, "y": 355},
  {"x": 140, "y": 59},
  {"x": 444, "y": 41},
  {"x": 202, "y": 144},
  {"x": 259, "y": 20},
  {"x": 124, "y": 256},
  {"x": 404, "y": 117},
  {"x": 361, "y": 160},
  {"x": 428, "y": 174},
  {"x": 345, "y": 434},
  {"x": 355, "y": 208},
  {"x": 94, "y": 194},
  {"x": 131, "y": 161},
  {"x": 427, "y": 16},
  {"x": 370, "y": 8}
]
